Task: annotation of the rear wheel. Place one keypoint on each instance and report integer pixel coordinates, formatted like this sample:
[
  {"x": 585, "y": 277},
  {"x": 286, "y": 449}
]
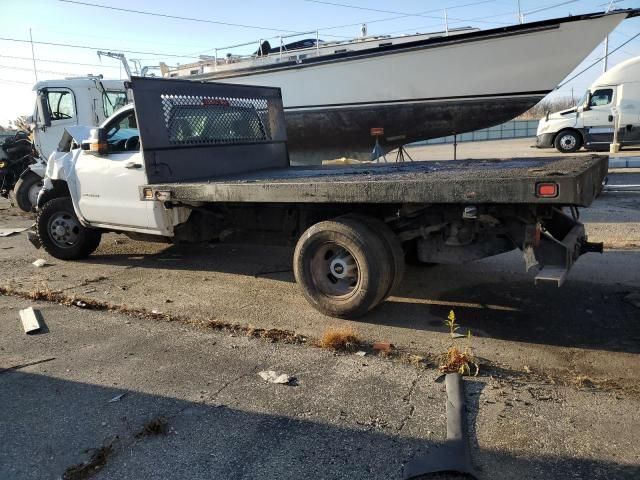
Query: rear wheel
[
  {"x": 392, "y": 245},
  {"x": 343, "y": 267},
  {"x": 61, "y": 233},
  {"x": 26, "y": 190},
  {"x": 568, "y": 141}
]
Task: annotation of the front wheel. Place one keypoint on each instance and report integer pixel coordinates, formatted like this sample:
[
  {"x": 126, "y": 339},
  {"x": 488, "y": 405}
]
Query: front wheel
[
  {"x": 568, "y": 141},
  {"x": 60, "y": 231},
  {"x": 26, "y": 191}
]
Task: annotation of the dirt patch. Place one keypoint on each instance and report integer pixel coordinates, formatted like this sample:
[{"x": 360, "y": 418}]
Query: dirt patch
[{"x": 97, "y": 460}]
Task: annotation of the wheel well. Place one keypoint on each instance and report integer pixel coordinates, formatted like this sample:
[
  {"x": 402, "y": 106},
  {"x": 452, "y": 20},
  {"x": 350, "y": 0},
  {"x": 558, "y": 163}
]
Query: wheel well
[
  {"x": 60, "y": 189},
  {"x": 569, "y": 129}
]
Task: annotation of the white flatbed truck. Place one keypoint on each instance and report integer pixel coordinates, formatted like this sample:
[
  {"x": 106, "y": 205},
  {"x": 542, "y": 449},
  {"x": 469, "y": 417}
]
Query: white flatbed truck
[{"x": 190, "y": 162}]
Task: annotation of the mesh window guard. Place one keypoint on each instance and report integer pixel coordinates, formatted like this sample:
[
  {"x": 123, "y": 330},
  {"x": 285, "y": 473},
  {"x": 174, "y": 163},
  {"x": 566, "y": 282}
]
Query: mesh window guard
[{"x": 207, "y": 120}]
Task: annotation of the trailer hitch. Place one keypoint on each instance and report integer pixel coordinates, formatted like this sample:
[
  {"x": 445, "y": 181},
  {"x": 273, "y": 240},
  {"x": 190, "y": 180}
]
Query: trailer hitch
[{"x": 591, "y": 247}]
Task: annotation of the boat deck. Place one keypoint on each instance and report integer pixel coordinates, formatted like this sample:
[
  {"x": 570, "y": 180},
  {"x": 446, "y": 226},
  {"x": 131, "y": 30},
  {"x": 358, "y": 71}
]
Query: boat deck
[{"x": 463, "y": 181}]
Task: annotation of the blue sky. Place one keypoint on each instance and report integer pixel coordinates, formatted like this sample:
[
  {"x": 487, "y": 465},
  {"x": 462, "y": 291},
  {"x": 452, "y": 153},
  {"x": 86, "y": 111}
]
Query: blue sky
[{"x": 173, "y": 41}]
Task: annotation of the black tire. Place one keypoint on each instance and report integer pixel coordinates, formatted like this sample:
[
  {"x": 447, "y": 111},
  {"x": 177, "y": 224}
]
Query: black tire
[
  {"x": 568, "y": 141},
  {"x": 22, "y": 189},
  {"x": 393, "y": 246},
  {"x": 73, "y": 240},
  {"x": 351, "y": 245}
]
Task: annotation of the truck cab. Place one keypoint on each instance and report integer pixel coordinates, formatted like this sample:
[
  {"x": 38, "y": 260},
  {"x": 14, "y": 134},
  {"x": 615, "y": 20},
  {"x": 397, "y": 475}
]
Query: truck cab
[
  {"x": 61, "y": 104},
  {"x": 612, "y": 102},
  {"x": 72, "y": 101}
]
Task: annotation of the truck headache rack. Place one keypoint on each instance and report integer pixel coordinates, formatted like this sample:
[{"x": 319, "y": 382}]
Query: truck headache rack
[{"x": 192, "y": 130}]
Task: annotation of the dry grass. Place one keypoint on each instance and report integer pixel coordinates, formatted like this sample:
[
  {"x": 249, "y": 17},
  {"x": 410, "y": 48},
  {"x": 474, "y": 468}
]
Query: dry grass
[
  {"x": 456, "y": 361},
  {"x": 339, "y": 339}
]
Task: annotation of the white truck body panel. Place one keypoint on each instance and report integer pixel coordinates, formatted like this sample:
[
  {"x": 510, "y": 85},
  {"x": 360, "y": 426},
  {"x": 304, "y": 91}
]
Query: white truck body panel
[{"x": 115, "y": 204}]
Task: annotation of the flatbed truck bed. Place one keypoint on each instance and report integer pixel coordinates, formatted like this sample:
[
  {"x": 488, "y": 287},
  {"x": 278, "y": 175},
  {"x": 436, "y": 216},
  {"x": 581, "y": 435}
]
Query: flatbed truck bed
[{"x": 490, "y": 181}]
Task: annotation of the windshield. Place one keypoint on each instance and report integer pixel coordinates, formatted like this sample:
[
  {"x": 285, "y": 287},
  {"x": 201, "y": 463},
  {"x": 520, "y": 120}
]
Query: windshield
[{"x": 584, "y": 98}]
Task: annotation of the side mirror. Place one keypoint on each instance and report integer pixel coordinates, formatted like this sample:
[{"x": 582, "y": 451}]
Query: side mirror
[
  {"x": 43, "y": 108},
  {"x": 97, "y": 143}
]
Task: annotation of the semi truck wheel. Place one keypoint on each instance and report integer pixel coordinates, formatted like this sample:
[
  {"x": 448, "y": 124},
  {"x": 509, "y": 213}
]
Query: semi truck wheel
[
  {"x": 393, "y": 248},
  {"x": 26, "y": 191},
  {"x": 343, "y": 267},
  {"x": 568, "y": 141},
  {"x": 60, "y": 231}
]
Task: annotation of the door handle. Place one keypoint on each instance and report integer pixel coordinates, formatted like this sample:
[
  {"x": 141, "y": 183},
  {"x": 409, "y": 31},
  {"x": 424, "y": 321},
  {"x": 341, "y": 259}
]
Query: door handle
[{"x": 132, "y": 165}]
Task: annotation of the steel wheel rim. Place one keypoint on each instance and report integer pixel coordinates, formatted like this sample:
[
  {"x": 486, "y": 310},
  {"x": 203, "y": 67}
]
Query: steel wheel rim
[
  {"x": 335, "y": 271},
  {"x": 63, "y": 229},
  {"x": 568, "y": 142},
  {"x": 34, "y": 190}
]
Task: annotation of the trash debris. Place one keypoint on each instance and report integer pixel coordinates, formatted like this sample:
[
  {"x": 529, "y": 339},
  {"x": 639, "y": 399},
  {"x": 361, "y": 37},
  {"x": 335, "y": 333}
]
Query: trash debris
[
  {"x": 454, "y": 454},
  {"x": 117, "y": 398},
  {"x": 81, "y": 304},
  {"x": 7, "y": 232},
  {"x": 383, "y": 346},
  {"x": 361, "y": 353},
  {"x": 633, "y": 299},
  {"x": 41, "y": 262},
  {"x": 30, "y": 320},
  {"x": 273, "y": 377}
]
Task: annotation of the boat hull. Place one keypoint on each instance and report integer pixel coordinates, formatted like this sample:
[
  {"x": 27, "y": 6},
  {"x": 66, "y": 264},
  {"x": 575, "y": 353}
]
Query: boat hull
[
  {"x": 417, "y": 91},
  {"x": 345, "y": 132}
]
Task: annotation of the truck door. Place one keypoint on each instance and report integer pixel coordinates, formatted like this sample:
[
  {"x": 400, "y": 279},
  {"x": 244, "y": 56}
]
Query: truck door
[
  {"x": 108, "y": 184},
  {"x": 61, "y": 106},
  {"x": 598, "y": 122}
]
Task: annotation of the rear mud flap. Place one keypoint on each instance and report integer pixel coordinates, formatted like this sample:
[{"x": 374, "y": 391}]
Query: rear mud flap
[{"x": 563, "y": 241}]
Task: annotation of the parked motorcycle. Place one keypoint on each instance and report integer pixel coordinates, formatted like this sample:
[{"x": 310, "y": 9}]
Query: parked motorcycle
[{"x": 16, "y": 154}]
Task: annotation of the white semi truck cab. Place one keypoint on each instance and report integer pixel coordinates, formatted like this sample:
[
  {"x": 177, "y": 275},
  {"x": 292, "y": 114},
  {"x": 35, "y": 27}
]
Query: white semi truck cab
[
  {"x": 612, "y": 102},
  {"x": 60, "y": 104}
]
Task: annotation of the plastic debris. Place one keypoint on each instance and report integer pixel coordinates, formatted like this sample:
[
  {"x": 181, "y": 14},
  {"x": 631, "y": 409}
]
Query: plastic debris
[
  {"x": 41, "y": 262},
  {"x": 117, "y": 398},
  {"x": 30, "y": 320},
  {"x": 273, "y": 377},
  {"x": 7, "y": 232},
  {"x": 81, "y": 304},
  {"x": 361, "y": 353}
]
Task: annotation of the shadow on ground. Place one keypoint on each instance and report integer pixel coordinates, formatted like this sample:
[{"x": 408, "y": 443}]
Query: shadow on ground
[
  {"x": 48, "y": 424},
  {"x": 505, "y": 306}
]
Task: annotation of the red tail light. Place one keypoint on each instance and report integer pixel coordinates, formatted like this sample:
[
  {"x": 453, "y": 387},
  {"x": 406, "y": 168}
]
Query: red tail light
[{"x": 547, "y": 190}]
